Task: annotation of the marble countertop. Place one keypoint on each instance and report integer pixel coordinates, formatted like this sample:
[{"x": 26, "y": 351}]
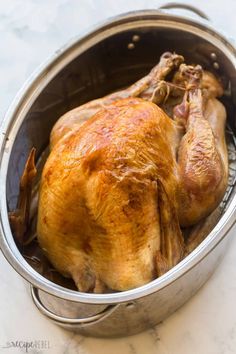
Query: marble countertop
[{"x": 30, "y": 31}]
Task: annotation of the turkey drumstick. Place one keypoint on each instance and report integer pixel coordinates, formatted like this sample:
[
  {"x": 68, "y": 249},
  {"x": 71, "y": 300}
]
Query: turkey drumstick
[
  {"x": 144, "y": 88},
  {"x": 202, "y": 156}
]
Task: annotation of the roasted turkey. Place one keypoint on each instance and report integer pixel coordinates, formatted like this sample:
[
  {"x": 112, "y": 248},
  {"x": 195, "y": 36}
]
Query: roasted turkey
[{"x": 123, "y": 178}]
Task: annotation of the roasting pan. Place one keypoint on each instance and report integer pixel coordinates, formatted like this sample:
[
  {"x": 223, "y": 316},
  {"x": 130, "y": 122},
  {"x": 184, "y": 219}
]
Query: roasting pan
[{"x": 111, "y": 56}]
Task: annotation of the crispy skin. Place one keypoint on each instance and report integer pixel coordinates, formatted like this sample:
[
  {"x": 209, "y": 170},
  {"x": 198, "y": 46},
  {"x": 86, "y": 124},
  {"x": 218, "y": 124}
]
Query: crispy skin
[
  {"x": 202, "y": 155},
  {"x": 116, "y": 189},
  {"x": 98, "y": 197}
]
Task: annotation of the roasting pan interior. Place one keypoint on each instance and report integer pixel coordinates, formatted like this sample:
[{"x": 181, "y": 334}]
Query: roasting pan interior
[{"x": 114, "y": 63}]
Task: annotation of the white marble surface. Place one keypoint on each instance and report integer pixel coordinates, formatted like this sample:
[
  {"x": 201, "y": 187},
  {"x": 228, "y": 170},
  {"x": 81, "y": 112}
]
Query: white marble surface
[{"x": 30, "y": 31}]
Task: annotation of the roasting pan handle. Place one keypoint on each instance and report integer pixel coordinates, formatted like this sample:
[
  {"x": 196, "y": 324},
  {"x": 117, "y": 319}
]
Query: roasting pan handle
[
  {"x": 176, "y": 5},
  {"x": 72, "y": 321}
]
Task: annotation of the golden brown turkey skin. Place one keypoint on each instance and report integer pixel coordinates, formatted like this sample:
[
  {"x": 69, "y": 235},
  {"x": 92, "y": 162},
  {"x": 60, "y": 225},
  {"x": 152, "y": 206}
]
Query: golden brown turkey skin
[
  {"x": 116, "y": 189},
  {"x": 98, "y": 214},
  {"x": 202, "y": 154}
]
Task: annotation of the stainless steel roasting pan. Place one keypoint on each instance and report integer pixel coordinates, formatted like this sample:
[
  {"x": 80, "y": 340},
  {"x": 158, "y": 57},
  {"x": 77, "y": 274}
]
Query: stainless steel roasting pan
[{"x": 107, "y": 58}]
